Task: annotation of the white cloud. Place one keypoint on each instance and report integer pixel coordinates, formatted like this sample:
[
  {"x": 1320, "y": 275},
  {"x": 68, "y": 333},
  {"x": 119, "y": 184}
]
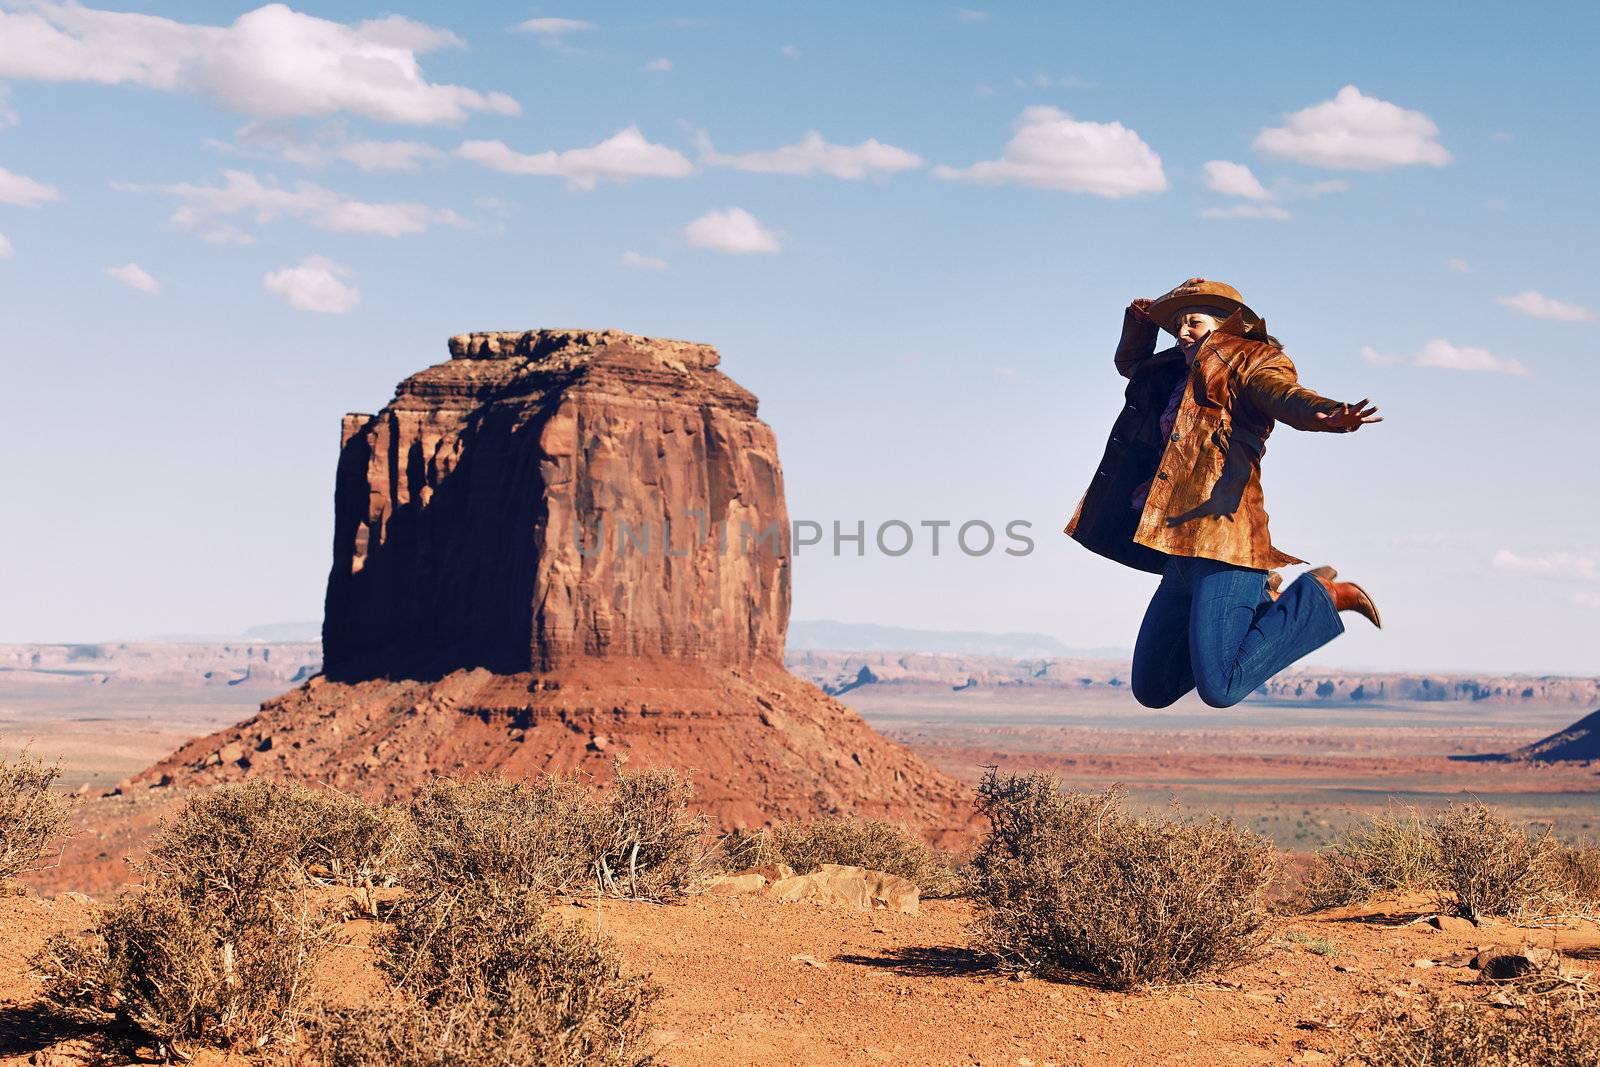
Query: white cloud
[
  {"x": 812, "y": 155},
  {"x": 1355, "y": 132},
  {"x": 554, "y": 29},
  {"x": 6, "y": 250},
  {"x": 1538, "y": 306},
  {"x": 24, "y": 192},
  {"x": 325, "y": 146},
  {"x": 272, "y": 62},
  {"x": 1586, "y": 600},
  {"x": 374, "y": 156},
  {"x": 1561, "y": 566},
  {"x": 1051, "y": 150},
  {"x": 1247, "y": 211},
  {"x": 314, "y": 285},
  {"x": 204, "y": 209},
  {"x": 1447, "y": 356},
  {"x": 734, "y": 230},
  {"x": 640, "y": 261},
  {"x": 659, "y": 66},
  {"x": 968, "y": 14},
  {"x": 789, "y": 51},
  {"x": 624, "y": 155},
  {"x": 1460, "y": 266},
  {"x": 134, "y": 277},
  {"x": 1234, "y": 179}
]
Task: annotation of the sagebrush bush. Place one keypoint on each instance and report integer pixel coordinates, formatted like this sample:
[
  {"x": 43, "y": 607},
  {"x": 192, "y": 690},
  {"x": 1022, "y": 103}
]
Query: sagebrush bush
[
  {"x": 1577, "y": 869},
  {"x": 1472, "y": 860},
  {"x": 1072, "y": 882},
  {"x": 217, "y": 943},
  {"x": 875, "y": 845},
  {"x": 647, "y": 844},
  {"x": 1531, "y": 1031},
  {"x": 33, "y": 816},
  {"x": 637, "y": 840},
  {"x": 239, "y": 838},
  {"x": 1393, "y": 852},
  {"x": 511, "y": 834},
  {"x": 483, "y": 977},
  {"x": 1488, "y": 866}
]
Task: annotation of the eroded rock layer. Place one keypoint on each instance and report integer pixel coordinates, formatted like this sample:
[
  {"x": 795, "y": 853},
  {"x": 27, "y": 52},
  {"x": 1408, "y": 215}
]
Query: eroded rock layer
[
  {"x": 551, "y": 495},
  {"x": 759, "y": 744}
]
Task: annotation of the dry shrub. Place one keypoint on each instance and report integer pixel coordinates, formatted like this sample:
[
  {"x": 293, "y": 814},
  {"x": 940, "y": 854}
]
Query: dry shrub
[
  {"x": 1070, "y": 881},
  {"x": 1577, "y": 869},
  {"x": 1488, "y": 866},
  {"x": 239, "y": 838},
  {"x": 1532, "y": 1031},
  {"x": 217, "y": 944},
  {"x": 483, "y": 977},
  {"x": 1472, "y": 860},
  {"x": 639, "y": 840},
  {"x": 646, "y": 844},
  {"x": 877, "y": 846},
  {"x": 510, "y": 834},
  {"x": 33, "y": 817},
  {"x": 1394, "y": 852}
]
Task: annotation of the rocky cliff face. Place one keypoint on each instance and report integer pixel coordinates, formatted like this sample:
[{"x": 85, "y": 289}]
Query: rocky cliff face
[
  {"x": 552, "y": 495},
  {"x": 554, "y": 550}
]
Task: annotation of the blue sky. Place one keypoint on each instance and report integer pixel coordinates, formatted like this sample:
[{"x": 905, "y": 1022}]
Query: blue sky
[{"x": 225, "y": 226}]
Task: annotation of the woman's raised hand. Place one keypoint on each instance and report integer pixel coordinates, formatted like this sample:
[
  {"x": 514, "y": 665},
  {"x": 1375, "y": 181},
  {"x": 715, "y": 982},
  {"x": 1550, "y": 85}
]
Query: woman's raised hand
[
  {"x": 1348, "y": 417},
  {"x": 1138, "y": 306}
]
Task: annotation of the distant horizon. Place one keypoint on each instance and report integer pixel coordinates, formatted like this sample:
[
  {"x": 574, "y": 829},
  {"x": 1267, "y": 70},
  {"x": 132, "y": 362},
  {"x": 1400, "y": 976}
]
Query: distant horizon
[{"x": 1068, "y": 653}]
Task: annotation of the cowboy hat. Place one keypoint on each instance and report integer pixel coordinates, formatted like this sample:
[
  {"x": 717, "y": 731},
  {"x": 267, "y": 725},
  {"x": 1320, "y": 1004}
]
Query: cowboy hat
[{"x": 1196, "y": 292}]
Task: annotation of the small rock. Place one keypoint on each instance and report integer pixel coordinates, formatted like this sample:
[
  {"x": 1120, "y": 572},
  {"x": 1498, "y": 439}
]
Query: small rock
[
  {"x": 1502, "y": 963},
  {"x": 809, "y": 961},
  {"x": 734, "y": 884},
  {"x": 1452, "y": 924},
  {"x": 232, "y": 752},
  {"x": 1422, "y": 963},
  {"x": 598, "y": 743}
]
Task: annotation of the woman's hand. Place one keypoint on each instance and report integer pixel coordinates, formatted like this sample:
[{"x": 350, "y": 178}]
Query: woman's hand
[
  {"x": 1348, "y": 418},
  {"x": 1138, "y": 308}
]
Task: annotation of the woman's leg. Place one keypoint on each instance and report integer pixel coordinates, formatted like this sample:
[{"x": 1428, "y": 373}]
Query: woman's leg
[
  {"x": 1161, "y": 671},
  {"x": 1238, "y": 639}
]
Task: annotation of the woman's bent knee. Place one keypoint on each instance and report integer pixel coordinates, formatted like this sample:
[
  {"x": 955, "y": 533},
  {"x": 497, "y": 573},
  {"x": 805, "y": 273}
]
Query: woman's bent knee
[
  {"x": 1220, "y": 696},
  {"x": 1151, "y": 695}
]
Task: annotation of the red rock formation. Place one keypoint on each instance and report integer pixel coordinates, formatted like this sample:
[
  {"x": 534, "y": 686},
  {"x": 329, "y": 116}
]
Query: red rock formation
[
  {"x": 494, "y": 605},
  {"x": 553, "y": 495}
]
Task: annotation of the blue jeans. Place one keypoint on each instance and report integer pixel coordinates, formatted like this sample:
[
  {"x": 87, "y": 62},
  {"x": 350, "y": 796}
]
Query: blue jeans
[{"x": 1211, "y": 627}]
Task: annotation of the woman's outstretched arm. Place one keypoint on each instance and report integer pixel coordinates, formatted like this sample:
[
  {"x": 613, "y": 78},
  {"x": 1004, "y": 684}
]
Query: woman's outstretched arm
[{"x": 1275, "y": 389}]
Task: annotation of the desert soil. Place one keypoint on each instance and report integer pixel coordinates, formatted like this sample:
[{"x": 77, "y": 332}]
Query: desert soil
[{"x": 752, "y": 981}]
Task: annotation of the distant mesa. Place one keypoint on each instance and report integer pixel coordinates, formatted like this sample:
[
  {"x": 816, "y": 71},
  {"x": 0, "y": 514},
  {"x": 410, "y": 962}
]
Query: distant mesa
[
  {"x": 557, "y": 548},
  {"x": 1577, "y": 743}
]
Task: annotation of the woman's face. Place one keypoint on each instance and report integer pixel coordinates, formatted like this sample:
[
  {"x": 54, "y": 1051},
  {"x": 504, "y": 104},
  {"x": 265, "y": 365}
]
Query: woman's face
[{"x": 1192, "y": 329}]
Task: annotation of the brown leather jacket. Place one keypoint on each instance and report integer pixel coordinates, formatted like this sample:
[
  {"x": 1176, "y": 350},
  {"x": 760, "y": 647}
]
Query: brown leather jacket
[{"x": 1205, "y": 496}]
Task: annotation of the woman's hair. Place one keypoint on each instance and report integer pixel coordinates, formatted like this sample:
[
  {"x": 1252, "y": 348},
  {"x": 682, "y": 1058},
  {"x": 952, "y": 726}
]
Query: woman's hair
[{"x": 1217, "y": 313}]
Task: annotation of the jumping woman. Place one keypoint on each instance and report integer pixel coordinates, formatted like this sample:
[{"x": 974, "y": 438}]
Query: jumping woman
[{"x": 1179, "y": 494}]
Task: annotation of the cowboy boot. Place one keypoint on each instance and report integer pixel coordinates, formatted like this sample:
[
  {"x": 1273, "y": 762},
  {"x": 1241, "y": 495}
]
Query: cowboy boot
[
  {"x": 1275, "y": 579},
  {"x": 1348, "y": 596}
]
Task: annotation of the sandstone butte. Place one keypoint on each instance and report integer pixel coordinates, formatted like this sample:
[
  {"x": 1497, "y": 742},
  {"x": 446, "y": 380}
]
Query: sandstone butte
[{"x": 487, "y": 611}]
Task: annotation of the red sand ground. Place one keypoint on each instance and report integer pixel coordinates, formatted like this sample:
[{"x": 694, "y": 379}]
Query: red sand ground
[{"x": 898, "y": 989}]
